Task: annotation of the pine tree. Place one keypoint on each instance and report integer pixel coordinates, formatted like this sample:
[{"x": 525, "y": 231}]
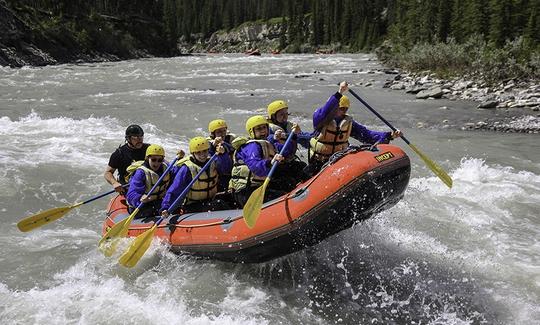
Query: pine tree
[
  {"x": 476, "y": 18},
  {"x": 520, "y": 16},
  {"x": 316, "y": 23},
  {"x": 283, "y": 36},
  {"x": 457, "y": 21},
  {"x": 346, "y": 22},
  {"x": 444, "y": 17},
  {"x": 500, "y": 28},
  {"x": 169, "y": 20},
  {"x": 532, "y": 30}
]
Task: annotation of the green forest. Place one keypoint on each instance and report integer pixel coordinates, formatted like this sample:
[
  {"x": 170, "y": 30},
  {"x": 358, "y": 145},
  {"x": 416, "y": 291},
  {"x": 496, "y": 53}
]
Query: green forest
[
  {"x": 414, "y": 34},
  {"x": 361, "y": 24}
]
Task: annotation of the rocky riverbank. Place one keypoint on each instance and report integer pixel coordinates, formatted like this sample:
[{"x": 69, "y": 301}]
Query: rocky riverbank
[
  {"x": 510, "y": 96},
  {"x": 265, "y": 36}
]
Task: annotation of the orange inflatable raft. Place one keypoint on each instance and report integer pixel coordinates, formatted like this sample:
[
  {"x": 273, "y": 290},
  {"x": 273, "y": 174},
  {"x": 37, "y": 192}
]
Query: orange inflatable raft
[{"x": 353, "y": 186}]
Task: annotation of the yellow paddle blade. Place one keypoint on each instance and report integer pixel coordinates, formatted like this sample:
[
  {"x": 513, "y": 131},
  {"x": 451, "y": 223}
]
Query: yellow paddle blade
[
  {"x": 253, "y": 206},
  {"x": 43, "y": 218},
  {"x": 117, "y": 231},
  {"x": 433, "y": 166},
  {"x": 137, "y": 249}
]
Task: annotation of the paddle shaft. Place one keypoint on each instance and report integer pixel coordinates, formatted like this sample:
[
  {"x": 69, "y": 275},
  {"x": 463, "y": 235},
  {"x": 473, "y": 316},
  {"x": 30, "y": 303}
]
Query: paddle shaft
[
  {"x": 158, "y": 181},
  {"x": 252, "y": 208},
  {"x": 430, "y": 163},
  {"x": 121, "y": 228},
  {"x": 377, "y": 114},
  {"x": 274, "y": 165},
  {"x": 180, "y": 197},
  {"x": 100, "y": 196}
]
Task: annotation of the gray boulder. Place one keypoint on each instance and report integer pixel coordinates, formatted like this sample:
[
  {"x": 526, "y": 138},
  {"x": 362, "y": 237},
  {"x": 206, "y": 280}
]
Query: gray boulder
[
  {"x": 435, "y": 92},
  {"x": 488, "y": 104}
]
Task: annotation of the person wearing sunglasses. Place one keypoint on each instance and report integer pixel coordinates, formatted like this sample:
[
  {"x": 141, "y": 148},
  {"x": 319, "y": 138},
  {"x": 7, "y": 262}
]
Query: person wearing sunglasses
[
  {"x": 144, "y": 178},
  {"x": 134, "y": 149},
  {"x": 202, "y": 194},
  {"x": 333, "y": 128}
]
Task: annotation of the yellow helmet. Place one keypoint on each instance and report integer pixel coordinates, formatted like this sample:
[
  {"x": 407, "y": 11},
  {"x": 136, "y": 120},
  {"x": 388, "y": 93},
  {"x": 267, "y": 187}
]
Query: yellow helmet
[
  {"x": 253, "y": 122},
  {"x": 155, "y": 150},
  {"x": 197, "y": 144},
  {"x": 276, "y": 106},
  {"x": 344, "y": 101},
  {"x": 216, "y": 124}
]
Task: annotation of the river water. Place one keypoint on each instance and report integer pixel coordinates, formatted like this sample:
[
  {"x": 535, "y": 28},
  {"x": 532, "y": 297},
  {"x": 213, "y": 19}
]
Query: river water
[{"x": 467, "y": 255}]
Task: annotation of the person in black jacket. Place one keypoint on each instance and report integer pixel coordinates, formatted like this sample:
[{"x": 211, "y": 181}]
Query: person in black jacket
[{"x": 133, "y": 150}]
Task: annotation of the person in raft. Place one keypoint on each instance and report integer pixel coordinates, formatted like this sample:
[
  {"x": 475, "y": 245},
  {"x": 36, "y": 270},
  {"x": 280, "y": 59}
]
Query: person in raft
[
  {"x": 333, "y": 127},
  {"x": 201, "y": 196},
  {"x": 133, "y": 150},
  {"x": 253, "y": 160},
  {"x": 291, "y": 170},
  {"x": 144, "y": 178},
  {"x": 220, "y": 136}
]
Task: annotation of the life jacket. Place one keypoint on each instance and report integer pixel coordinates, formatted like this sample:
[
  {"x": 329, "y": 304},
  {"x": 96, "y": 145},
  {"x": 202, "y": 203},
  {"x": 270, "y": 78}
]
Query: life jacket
[
  {"x": 238, "y": 142},
  {"x": 242, "y": 176},
  {"x": 331, "y": 139},
  {"x": 288, "y": 130},
  {"x": 130, "y": 170},
  {"x": 205, "y": 187},
  {"x": 151, "y": 178}
]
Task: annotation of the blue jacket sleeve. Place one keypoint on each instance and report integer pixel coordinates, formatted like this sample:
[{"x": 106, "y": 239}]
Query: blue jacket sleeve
[
  {"x": 327, "y": 112},
  {"x": 173, "y": 171},
  {"x": 228, "y": 148},
  {"x": 137, "y": 187},
  {"x": 224, "y": 163},
  {"x": 362, "y": 134},
  {"x": 252, "y": 155},
  {"x": 303, "y": 139},
  {"x": 180, "y": 182}
]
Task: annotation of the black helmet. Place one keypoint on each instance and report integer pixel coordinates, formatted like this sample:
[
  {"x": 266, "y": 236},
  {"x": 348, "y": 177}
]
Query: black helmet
[{"x": 133, "y": 130}]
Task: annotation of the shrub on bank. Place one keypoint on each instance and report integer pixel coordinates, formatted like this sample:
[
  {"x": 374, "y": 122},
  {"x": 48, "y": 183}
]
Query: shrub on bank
[{"x": 475, "y": 58}]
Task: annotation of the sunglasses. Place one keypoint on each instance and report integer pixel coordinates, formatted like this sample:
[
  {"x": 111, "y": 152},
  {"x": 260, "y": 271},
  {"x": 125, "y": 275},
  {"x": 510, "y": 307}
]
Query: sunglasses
[{"x": 156, "y": 159}]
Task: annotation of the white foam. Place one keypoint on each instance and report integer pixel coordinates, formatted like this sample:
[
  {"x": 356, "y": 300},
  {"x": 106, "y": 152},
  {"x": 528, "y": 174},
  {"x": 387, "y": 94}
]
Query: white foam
[
  {"x": 96, "y": 290},
  {"x": 50, "y": 139},
  {"x": 51, "y": 147},
  {"x": 476, "y": 222},
  {"x": 78, "y": 143}
]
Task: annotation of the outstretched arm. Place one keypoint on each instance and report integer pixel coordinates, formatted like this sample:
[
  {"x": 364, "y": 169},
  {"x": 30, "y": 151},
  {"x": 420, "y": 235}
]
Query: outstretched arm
[
  {"x": 364, "y": 135},
  {"x": 325, "y": 114}
]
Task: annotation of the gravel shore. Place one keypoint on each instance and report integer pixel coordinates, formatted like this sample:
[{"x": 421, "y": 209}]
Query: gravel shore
[{"x": 517, "y": 96}]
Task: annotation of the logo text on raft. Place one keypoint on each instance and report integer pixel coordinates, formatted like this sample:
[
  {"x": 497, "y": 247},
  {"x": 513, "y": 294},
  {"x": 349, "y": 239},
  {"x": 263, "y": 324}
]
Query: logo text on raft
[{"x": 384, "y": 156}]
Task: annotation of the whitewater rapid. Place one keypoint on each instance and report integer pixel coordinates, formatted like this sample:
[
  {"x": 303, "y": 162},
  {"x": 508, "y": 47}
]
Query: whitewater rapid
[{"x": 464, "y": 255}]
